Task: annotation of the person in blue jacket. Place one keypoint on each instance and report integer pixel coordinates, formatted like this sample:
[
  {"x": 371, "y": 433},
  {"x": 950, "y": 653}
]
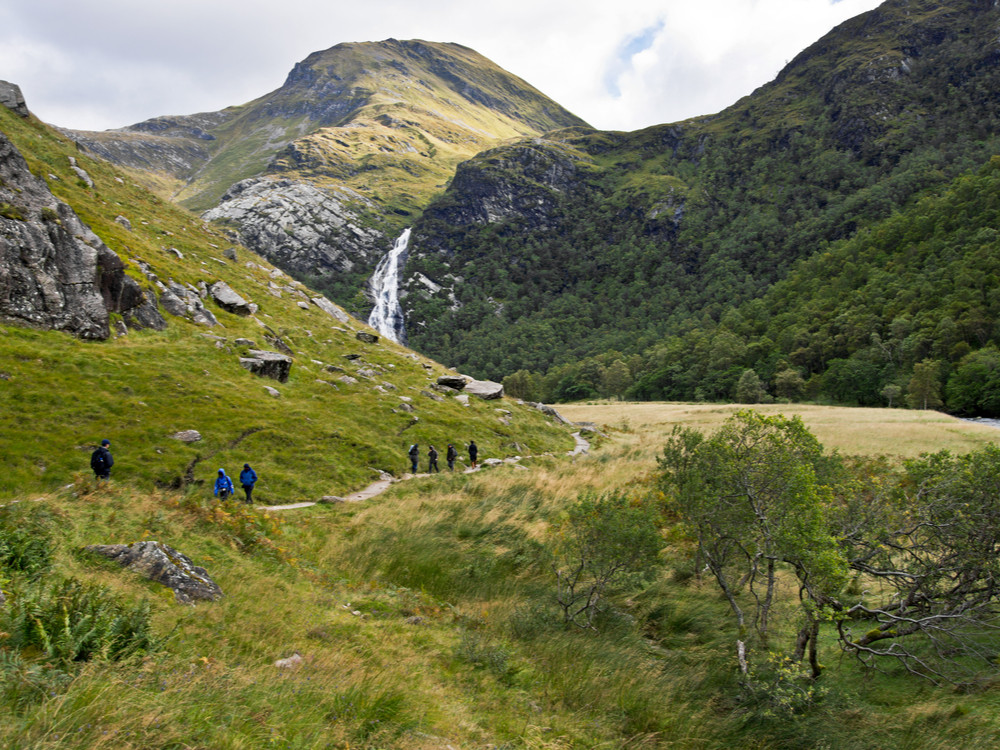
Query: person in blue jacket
[
  {"x": 414, "y": 454},
  {"x": 223, "y": 485},
  {"x": 248, "y": 478}
]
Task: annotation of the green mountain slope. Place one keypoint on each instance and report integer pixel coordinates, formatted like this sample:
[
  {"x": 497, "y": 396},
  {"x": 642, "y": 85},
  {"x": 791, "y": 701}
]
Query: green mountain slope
[
  {"x": 348, "y": 410},
  {"x": 599, "y": 245}
]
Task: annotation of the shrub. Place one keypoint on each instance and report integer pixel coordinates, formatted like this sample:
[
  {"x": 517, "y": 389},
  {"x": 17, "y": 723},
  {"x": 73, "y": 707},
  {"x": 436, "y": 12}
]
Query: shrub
[{"x": 70, "y": 621}]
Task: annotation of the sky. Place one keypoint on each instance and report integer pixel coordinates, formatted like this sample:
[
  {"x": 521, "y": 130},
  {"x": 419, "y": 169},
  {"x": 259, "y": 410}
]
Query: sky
[{"x": 618, "y": 64}]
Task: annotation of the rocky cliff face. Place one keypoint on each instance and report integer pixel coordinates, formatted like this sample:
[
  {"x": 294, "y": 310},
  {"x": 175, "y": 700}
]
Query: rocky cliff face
[
  {"x": 54, "y": 271},
  {"x": 320, "y": 175}
]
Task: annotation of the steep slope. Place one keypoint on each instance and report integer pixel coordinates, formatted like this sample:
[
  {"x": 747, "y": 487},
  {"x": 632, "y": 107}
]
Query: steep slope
[
  {"x": 322, "y": 173},
  {"x": 545, "y": 252},
  {"x": 346, "y": 410}
]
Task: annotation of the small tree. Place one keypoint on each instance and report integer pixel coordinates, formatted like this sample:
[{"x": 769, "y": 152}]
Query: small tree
[
  {"x": 924, "y": 389},
  {"x": 599, "y": 544},
  {"x": 749, "y": 389},
  {"x": 891, "y": 392}
]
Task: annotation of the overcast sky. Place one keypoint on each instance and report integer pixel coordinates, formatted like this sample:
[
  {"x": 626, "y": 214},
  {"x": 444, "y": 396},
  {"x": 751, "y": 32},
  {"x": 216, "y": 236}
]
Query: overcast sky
[{"x": 619, "y": 64}]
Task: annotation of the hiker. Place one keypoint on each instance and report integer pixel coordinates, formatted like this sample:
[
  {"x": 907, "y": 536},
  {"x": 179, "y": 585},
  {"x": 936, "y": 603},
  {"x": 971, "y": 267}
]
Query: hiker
[
  {"x": 450, "y": 456},
  {"x": 473, "y": 453},
  {"x": 223, "y": 485},
  {"x": 414, "y": 456},
  {"x": 101, "y": 460},
  {"x": 248, "y": 477},
  {"x": 432, "y": 460}
]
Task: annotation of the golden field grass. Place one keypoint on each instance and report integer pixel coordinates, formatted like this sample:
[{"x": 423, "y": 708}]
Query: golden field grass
[{"x": 901, "y": 433}]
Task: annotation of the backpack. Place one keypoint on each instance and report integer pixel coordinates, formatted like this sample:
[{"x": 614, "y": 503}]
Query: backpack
[{"x": 97, "y": 462}]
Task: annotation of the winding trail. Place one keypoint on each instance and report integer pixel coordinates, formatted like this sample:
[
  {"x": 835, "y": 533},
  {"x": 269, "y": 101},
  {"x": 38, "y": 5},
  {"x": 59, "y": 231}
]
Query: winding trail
[{"x": 581, "y": 447}]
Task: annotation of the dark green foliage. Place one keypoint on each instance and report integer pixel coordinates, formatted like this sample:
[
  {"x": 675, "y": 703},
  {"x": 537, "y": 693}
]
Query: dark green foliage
[
  {"x": 26, "y": 543},
  {"x": 802, "y": 229},
  {"x": 70, "y": 621},
  {"x": 23, "y": 682},
  {"x": 601, "y": 543}
]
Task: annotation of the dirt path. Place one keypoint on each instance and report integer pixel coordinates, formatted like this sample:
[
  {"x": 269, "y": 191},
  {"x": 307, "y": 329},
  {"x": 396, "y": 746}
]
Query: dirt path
[{"x": 581, "y": 447}]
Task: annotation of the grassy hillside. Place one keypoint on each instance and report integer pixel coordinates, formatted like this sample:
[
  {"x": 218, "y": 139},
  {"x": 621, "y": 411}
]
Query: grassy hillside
[
  {"x": 60, "y": 396},
  {"x": 425, "y": 619}
]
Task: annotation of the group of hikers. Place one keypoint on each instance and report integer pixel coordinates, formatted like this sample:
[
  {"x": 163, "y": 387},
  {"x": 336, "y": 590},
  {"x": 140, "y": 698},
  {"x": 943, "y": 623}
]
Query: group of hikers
[
  {"x": 101, "y": 462},
  {"x": 450, "y": 456}
]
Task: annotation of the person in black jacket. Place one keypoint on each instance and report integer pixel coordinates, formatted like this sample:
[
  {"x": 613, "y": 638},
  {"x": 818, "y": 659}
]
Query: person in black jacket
[
  {"x": 101, "y": 461},
  {"x": 432, "y": 460},
  {"x": 473, "y": 453},
  {"x": 451, "y": 455},
  {"x": 414, "y": 453}
]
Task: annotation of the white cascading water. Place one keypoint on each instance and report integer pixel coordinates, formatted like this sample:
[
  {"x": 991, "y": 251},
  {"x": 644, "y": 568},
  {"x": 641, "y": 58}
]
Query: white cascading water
[{"x": 387, "y": 315}]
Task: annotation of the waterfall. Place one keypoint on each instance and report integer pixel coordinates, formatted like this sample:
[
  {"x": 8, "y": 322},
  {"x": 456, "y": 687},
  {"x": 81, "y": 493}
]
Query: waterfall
[{"x": 387, "y": 315}]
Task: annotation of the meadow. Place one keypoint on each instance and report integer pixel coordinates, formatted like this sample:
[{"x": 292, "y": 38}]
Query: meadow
[{"x": 425, "y": 619}]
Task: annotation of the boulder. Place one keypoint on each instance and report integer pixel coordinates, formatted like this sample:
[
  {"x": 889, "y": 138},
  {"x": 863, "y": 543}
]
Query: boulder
[
  {"x": 268, "y": 364},
  {"x": 485, "y": 389},
  {"x": 158, "y": 562},
  {"x": 187, "y": 436},
  {"x": 12, "y": 98},
  {"x": 368, "y": 338},
  {"x": 457, "y": 382},
  {"x": 548, "y": 410},
  {"x": 330, "y": 309},
  {"x": 228, "y": 299}
]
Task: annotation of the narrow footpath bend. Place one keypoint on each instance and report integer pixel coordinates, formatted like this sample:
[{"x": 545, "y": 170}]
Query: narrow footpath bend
[{"x": 581, "y": 447}]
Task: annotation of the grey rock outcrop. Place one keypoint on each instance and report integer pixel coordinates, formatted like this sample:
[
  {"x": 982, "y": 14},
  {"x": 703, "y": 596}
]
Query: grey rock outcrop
[
  {"x": 368, "y": 338},
  {"x": 187, "y": 436},
  {"x": 268, "y": 364},
  {"x": 485, "y": 389},
  {"x": 299, "y": 226},
  {"x": 54, "y": 271},
  {"x": 12, "y": 98},
  {"x": 186, "y": 303},
  {"x": 163, "y": 564},
  {"x": 226, "y": 298},
  {"x": 331, "y": 309}
]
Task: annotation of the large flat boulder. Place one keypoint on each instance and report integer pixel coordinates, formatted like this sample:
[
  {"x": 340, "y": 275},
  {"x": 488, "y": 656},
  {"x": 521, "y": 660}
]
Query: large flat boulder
[
  {"x": 485, "y": 389},
  {"x": 268, "y": 364}
]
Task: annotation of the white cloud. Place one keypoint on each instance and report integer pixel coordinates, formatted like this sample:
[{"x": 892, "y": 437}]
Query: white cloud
[{"x": 624, "y": 65}]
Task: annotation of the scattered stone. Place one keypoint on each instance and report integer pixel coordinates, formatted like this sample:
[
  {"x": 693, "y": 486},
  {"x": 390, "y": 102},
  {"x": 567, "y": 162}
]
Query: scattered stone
[
  {"x": 230, "y": 253},
  {"x": 292, "y": 662},
  {"x": 163, "y": 564},
  {"x": 352, "y": 357},
  {"x": 347, "y": 379},
  {"x": 548, "y": 410},
  {"x": 121, "y": 220},
  {"x": 463, "y": 398},
  {"x": 365, "y": 372},
  {"x": 368, "y": 338},
  {"x": 433, "y": 396},
  {"x": 303, "y": 305},
  {"x": 244, "y": 342},
  {"x": 330, "y": 500},
  {"x": 268, "y": 364},
  {"x": 274, "y": 392},
  {"x": 174, "y": 251},
  {"x": 403, "y": 406},
  {"x": 333, "y": 368},
  {"x": 187, "y": 436},
  {"x": 81, "y": 172},
  {"x": 447, "y": 390},
  {"x": 228, "y": 299},
  {"x": 485, "y": 389}
]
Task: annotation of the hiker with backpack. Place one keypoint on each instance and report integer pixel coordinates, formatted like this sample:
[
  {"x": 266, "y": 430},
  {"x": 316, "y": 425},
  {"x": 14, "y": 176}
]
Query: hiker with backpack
[
  {"x": 414, "y": 454},
  {"x": 101, "y": 460},
  {"x": 432, "y": 460},
  {"x": 248, "y": 478},
  {"x": 451, "y": 455},
  {"x": 223, "y": 485},
  {"x": 473, "y": 453}
]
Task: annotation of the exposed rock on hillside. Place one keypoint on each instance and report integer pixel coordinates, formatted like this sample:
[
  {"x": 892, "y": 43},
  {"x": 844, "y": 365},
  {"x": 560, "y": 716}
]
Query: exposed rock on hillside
[
  {"x": 163, "y": 564},
  {"x": 300, "y": 227},
  {"x": 54, "y": 271},
  {"x": 268, "y": 364}
]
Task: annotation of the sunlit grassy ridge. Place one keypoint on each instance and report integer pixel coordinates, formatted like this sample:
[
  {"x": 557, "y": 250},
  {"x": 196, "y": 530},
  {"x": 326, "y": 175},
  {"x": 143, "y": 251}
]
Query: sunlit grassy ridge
[{"x": 322, "y": 436}]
